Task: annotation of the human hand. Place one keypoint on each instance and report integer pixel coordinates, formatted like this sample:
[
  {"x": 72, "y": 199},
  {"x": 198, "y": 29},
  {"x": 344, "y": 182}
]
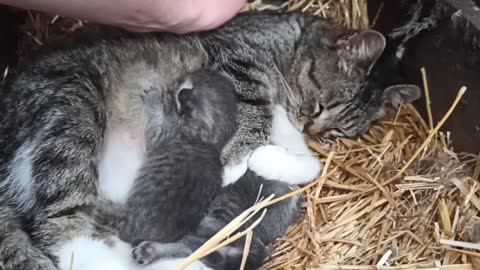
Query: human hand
[{"x": 179, "y": 16}]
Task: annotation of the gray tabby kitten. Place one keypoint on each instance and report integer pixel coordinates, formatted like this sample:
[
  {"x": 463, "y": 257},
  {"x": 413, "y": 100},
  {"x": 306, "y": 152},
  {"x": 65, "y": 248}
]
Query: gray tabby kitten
[
  {"x": 182, "y": 172},
  {"x": 233, "y": 200},
  {"x": 73, "y": 123}
]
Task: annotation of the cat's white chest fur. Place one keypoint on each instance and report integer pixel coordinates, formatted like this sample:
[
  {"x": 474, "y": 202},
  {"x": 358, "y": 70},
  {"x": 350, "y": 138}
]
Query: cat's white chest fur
[{"x": 122, "y": 156}]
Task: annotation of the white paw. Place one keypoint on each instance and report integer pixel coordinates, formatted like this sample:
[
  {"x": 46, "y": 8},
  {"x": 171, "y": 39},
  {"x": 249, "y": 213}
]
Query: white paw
[
  {"x": 232, "y": 173},
  {"x": 84, "y": 253},
  {"x": 276, "y": 163},
  {"x": 268, "y": 160}
]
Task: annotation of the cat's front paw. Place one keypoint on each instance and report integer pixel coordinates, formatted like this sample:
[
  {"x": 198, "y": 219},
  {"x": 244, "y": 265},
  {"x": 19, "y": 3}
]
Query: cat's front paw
[
  {"x": 276, "y": 163},
  {"x": 145, "y": 253},
  {"x": 268, "y": 160}
]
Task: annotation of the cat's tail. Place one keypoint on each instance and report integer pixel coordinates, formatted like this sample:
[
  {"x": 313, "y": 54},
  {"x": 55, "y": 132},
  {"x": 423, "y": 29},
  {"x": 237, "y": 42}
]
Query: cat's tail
[{"x": 17, "y": 251}]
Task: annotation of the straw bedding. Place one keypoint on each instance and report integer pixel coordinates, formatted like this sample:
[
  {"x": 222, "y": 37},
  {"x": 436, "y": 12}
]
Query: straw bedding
[
  {"x": 397, "y": 198},
  {"x": 352, "y": 218}
]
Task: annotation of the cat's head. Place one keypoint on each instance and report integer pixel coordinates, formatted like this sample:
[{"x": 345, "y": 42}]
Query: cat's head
[{"x": 332, "y": 92}]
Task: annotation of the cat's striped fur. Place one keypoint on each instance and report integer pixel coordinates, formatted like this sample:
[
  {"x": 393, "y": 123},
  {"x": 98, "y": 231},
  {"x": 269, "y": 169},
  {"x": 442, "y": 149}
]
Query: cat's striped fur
[{"x": 55, "y": 112}]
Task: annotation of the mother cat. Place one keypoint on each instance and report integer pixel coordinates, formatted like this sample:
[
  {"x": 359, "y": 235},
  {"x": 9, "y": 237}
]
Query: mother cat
[{"x": 72, "y": 122}]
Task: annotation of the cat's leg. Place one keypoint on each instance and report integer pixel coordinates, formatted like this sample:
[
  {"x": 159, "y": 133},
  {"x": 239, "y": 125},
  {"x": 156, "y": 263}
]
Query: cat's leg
[
  {"x": 17, "y": 251},
  {"x": 156, "y": 255},
  {"x": 254, "y": 125},
  {"x": 148, "y": 252},
  {"x": 54, "y": 171},
  {"x": 85, "y": 239},
  {"x": 289, "y": 159},
  {"x": 55, "y": 167}
]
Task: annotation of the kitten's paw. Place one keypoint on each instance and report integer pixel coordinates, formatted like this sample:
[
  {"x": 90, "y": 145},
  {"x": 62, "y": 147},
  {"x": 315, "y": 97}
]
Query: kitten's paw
[
  {"x": 276, "y": 163},
  {"x": 145, "y": 253},
  {"x": 231, "y": 173}
]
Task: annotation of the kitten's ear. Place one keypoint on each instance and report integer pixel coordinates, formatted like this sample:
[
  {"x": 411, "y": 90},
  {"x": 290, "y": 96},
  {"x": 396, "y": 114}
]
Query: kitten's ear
[
  {"x": 396, "y": 95},
  {"x": 183, "y": 97},
  {"x": 361, "y": 49}
]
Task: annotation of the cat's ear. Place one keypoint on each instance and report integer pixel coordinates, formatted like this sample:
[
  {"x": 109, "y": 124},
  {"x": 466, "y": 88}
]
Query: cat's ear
[
  {"x": 360, "y": 49},
  {"x": 396, "y": 95}
]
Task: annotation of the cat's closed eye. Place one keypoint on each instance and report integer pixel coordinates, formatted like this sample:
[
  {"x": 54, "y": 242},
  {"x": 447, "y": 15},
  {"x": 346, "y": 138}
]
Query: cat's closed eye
[
  {"x": 312, "y": 114},
  {"x": 317, "y": 111}
]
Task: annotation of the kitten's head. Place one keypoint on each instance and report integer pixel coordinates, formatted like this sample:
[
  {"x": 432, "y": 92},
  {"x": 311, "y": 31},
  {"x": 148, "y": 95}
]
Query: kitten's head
[
  {"x": 206, "y": 101},
  {"x": 333, "y": 94}
]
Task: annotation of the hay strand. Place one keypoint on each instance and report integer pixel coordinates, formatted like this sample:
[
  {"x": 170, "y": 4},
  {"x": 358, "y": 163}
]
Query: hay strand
[
  {"x": 428, "y": 103},
  {"x": 246, "y": 249}
]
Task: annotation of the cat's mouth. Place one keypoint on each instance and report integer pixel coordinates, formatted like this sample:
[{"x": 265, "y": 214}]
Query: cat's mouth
[{"x": 315, "y": 132}]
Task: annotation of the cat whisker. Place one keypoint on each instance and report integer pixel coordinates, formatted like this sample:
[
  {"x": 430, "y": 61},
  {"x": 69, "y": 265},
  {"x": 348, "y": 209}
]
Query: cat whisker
[
  {"x": 291, "y": 97},
  {"x": 294, "y": 121}
]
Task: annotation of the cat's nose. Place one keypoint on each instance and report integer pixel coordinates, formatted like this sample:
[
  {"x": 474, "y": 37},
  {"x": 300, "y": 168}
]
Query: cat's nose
[
  {"x": 307, "y": 125},
  {"x": 314, "y": 130}
]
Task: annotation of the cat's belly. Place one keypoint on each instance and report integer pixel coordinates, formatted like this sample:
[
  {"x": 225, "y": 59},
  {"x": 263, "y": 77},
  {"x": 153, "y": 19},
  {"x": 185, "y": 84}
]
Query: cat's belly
[{"x": 122, "y": 156}]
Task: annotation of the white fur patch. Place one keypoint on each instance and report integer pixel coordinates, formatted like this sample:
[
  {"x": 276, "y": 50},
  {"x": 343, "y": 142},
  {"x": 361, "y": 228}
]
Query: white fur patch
[
  {"x": 19, "y": 184},
  {"x": 232, "y": 173},
  {"x": 285, "y": 134},
  {"x": 122, "y": 157},
  {"x": 289, "y": 160},
  {"x": 92, "y": 254}
]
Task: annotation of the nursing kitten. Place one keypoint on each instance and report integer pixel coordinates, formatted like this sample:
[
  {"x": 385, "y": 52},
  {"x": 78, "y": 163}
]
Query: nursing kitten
[
  {"x": 73, "y": 124},
  {"x": 182, "y": 172},
  {"x": 233, "y": 200}
]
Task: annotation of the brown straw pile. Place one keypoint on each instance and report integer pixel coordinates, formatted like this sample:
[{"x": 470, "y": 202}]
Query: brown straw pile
[
  {"x": 374, "y": 210},
  {"x": 397, "y": 198}
]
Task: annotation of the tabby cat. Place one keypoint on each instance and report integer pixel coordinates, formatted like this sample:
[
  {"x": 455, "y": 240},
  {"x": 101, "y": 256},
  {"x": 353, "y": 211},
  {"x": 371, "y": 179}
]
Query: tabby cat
[{"x": 73, "y": 124}]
